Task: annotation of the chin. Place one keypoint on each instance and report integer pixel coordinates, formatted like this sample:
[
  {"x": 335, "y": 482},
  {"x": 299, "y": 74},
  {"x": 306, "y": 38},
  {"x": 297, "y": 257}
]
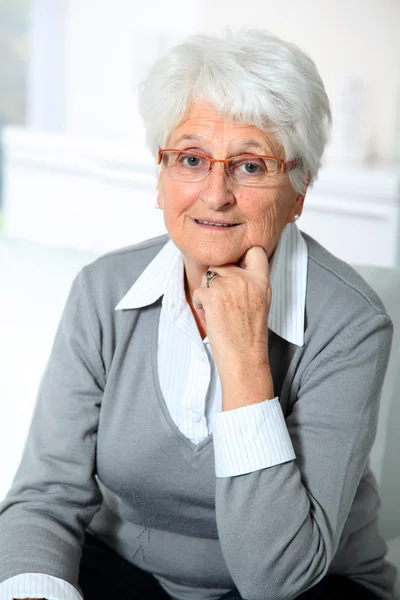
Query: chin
[{"x": 215, "y": 257}]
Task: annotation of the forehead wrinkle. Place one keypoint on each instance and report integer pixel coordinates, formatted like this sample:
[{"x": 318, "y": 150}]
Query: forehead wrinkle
[
  {"x": 207, "y": 126},
  {"x": 247, "y": 143}
]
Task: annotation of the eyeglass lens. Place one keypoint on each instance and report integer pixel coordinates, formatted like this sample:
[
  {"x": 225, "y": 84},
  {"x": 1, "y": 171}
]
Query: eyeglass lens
[{"x": 189, "y": 166}]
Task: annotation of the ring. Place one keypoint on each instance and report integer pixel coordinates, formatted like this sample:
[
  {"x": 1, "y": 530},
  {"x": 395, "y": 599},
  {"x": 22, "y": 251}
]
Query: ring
[{"x": 210, "y": 275}]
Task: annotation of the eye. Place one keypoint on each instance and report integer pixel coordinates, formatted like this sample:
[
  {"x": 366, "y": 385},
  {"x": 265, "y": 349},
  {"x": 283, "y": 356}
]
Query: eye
[
  {"x": 250, "y": 167},
  {"x": 192, "y": 160}
]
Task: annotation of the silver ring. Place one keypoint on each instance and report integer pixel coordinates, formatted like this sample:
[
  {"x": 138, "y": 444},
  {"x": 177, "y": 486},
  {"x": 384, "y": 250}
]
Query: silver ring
[{"x": 210, "y": 276}]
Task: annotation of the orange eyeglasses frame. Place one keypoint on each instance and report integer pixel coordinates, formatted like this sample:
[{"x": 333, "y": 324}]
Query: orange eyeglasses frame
[{"x": 285, "y": 166}]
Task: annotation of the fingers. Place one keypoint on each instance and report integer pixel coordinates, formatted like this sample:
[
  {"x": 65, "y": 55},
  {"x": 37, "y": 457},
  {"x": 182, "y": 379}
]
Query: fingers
[
  {"x": 197, "y": 299},
  {"x": 255, "y": 260}
]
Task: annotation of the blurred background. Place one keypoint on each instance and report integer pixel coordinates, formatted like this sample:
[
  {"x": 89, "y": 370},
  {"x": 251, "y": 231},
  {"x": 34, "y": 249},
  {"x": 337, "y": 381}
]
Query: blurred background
[{"x": 73, "y": 142}]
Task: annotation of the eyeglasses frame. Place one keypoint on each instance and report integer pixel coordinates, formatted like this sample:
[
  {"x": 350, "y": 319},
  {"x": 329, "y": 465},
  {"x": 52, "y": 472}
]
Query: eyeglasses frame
[{"x": 286, "y": 167}]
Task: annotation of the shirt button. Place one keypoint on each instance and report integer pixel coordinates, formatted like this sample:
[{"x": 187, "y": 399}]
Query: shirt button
[{"x": 196, "y": 417}]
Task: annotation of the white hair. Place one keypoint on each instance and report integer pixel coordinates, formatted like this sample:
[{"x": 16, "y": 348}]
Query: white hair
[{"x": 251, "y": 76}]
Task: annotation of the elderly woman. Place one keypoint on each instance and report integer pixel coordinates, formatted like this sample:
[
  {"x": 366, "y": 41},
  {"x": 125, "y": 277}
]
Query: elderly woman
[{"x": 203, "y": 426}]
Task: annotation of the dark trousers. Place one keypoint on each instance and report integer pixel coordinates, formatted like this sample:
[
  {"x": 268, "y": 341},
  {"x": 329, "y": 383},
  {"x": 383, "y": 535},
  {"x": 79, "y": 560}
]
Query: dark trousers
[{"x": 104, "y": 575}]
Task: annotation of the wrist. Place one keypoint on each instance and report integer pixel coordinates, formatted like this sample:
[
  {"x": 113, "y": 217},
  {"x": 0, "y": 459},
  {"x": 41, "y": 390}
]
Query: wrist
[{"x": 244, "y": 384}]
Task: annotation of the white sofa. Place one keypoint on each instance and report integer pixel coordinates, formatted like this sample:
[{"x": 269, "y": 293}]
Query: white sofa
[{"x": 34, "y": 284}]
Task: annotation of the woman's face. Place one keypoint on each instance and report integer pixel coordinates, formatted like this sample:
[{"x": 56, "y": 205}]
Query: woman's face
[{"x": 260, "y": 212}]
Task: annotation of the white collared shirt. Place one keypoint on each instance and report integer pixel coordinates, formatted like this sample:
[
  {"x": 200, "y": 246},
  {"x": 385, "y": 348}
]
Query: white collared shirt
[{"x": 248, "y": 438}]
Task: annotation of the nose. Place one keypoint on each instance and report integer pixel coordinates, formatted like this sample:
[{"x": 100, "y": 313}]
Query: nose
[{"x": 217, "y": 188}]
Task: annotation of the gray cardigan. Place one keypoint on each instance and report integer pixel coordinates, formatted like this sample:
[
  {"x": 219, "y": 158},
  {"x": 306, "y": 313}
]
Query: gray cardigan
[{"x": 103, "y": 452}]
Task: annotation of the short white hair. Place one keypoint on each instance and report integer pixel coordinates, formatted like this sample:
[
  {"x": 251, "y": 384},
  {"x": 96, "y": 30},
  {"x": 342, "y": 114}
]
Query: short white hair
[{"x": 251, "y": 76}]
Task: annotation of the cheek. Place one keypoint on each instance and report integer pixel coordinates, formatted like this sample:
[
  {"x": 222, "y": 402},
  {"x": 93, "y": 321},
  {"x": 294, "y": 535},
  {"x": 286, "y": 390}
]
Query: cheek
[
  {"x": 176, "y": 199},
  {"x": 260, "y": 212},
  {"x": 266, "y": 219},
  {"x": 270, "y": 210}
]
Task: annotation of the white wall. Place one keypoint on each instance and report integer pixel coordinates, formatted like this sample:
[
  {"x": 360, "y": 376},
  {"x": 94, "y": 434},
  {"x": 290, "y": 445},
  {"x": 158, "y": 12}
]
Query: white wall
[
  {"x": 360, "y": 37},
  {"x": 46, "y": 59},
  {"x": 109, "y": 47}
]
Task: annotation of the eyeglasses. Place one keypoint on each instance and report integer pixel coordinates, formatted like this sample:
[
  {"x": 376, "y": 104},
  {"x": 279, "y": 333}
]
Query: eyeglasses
[{"x": 245, "y": 169}]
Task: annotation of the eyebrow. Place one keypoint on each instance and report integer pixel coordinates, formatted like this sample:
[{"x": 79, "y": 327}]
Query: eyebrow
[
  {"x": 245, "y": 143},
  {"x": 254, "y": 144},
  {"x": 189, "y": 137}
]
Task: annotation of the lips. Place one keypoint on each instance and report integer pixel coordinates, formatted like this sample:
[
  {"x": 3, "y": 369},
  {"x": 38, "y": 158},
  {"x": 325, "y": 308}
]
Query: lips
[{"x": 211, "y": 223}]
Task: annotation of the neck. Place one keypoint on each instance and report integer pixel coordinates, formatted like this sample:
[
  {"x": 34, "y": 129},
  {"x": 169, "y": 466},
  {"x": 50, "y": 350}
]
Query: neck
[
  {"x": 190, "y": 285},
  {"x": 193, "y": 273}
]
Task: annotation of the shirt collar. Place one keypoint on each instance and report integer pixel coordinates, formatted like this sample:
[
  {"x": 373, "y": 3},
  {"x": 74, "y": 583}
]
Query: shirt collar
[{"x": 288, "y": 275}]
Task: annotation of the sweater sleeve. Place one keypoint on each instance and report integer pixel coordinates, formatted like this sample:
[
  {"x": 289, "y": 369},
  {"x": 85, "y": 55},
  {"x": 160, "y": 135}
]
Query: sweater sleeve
[
  {"x": 54, "y": 494},
  {"x": 279, "y": 527}
]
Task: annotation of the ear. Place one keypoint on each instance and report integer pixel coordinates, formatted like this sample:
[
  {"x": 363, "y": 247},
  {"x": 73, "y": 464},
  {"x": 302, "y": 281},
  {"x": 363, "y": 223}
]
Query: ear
[
  {"x": 159, "y": 199},
  {"x": 299, "y": 203}
]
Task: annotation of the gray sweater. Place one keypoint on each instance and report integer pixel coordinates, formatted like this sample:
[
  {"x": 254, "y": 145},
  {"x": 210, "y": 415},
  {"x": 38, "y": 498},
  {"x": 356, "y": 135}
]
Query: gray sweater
[{"x": 103, "y": 453}]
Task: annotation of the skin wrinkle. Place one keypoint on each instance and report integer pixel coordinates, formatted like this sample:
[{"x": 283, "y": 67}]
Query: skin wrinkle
[{"x": 263, "y": 212}]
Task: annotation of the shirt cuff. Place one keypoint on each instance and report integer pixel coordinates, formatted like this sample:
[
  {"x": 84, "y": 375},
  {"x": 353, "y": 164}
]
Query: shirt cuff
[
  {"x": 251, "y": 438},
  {"x": 37, "y": 585}
]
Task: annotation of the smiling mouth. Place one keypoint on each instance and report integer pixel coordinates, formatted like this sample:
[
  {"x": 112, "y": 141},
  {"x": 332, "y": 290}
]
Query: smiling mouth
[{"x": 215, "y": 224}]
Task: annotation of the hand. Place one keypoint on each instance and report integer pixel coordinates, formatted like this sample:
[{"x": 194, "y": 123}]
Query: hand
[{"x": 235, "y": 309}]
